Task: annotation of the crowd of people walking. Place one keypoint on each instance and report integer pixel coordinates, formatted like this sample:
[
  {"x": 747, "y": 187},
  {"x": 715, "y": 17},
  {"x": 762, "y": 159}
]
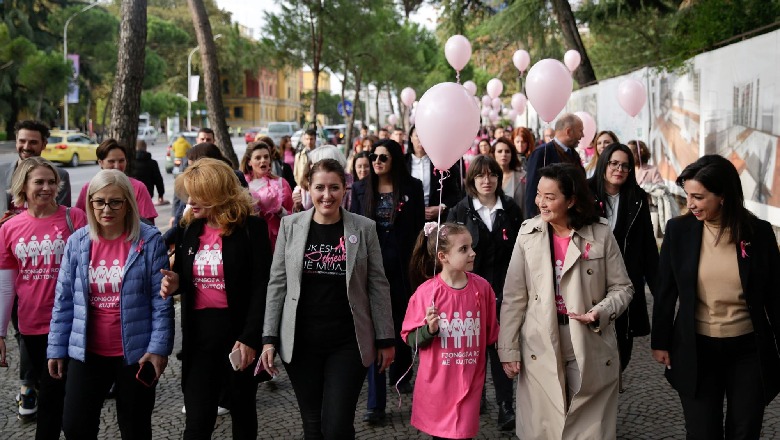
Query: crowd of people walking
[{"x": 370, "y": 267}]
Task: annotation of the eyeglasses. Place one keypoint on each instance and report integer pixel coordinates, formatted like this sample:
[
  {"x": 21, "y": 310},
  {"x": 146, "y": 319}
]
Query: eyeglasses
[
  {"x": 615, "y": 166},
  {"x": 382, "y": 157},
  {"x": 100, "y": 204},
  {"x": 491, "y": 176}
]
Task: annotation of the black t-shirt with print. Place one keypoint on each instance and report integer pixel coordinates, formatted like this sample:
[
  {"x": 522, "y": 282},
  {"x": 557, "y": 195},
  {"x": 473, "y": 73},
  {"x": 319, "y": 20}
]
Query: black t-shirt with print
[{"x": 324, "y": 316}]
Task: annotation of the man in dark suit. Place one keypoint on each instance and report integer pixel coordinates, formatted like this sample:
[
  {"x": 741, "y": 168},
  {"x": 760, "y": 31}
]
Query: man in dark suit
[
  {"x": 568, "y": 132},
  {"x": 420, "y": 167}
]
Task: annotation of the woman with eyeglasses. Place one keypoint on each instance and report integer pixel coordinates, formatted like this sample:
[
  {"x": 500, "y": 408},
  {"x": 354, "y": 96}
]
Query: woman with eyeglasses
[
  {"x": 565, "y": 286},
  {"x": 625, "y": 206},
  {"x": 31, "y": 247},
  {"x": 109, "y": 320},
  {"x": 493, "y": 219},
  {"x": 394, "y": 200},
  {"x": 221, "y": 272}
]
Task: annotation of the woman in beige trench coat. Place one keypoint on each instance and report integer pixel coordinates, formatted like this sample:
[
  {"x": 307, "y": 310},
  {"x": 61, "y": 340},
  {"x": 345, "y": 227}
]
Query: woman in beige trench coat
[{"x": 557, "y": 335}]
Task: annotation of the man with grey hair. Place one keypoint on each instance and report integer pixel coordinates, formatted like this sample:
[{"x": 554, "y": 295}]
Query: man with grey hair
[{"x": 568, "y": 132}]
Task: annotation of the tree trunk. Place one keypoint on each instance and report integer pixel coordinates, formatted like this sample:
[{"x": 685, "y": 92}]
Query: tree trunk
[
  {"x": 355, "y": 108},
  {"x": 211, "y": 85},
  {"x": 316, "y": 31},
  {"x": 105, "y": 112},
  {"x": 379, "y": 123},
  {"x": 584, "y": 74},
  {"x": 129, "y": 78}
]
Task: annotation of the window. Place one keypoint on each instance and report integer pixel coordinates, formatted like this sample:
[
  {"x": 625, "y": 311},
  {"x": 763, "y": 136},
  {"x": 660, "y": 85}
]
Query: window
[{"x": 238, "y": 112}]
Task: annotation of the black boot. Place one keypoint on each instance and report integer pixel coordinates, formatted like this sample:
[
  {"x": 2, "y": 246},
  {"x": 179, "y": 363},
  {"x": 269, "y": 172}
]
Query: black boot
[{"x": 506, "y": 416}]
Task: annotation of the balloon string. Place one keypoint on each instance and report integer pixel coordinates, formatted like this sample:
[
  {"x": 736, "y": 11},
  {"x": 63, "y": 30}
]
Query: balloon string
[
  {"x": 443, "y": 175},
  {"x": 457, "y": 76}
]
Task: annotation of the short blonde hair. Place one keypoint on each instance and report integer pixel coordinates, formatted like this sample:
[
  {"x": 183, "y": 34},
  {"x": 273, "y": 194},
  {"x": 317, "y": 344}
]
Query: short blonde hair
[
  {"x": 103, "y": 179},
  {"x": 23, "y": 170},
  {"x": 215, "y": 185}
]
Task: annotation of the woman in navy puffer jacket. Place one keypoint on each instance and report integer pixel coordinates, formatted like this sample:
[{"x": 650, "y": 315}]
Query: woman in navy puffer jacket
[{"x": 108, "y": 318}]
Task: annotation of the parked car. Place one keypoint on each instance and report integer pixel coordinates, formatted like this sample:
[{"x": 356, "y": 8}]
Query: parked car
[
  {"x": 173, "y": 164},
  {"x": 278, "y": 129},
  {"x": 147, "y": 134},
  {"x": 70, "y": 148},
  {"x": 250, "y": 133}
]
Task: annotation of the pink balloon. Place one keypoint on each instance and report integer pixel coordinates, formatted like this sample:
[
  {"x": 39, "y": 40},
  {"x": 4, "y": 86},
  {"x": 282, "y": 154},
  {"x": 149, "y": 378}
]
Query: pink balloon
[
  {"x": 496, "y": 103},
  {"x": 411, "y": 119},
  {"x": 512, "y": 115},
  {"x": 476, "y": 100},
  {"x": 572, "y": 60},
  {"x": 494, "y": 88},
  {"x": 408, "y": 96},
  {"x": 632, "y": 96},
  {"x": 549, "y": 86},
  {"x": 447, "y": 122},
  {"x": 486, "y": 101},
  {"x": 485, "y": 112},
  {"x": 589, "y": 128},
  {"x": 392, "y": 119},
  {"x": 493, "y": 116},
  {"x": 457, "y": 50},
  {"x": 518, "y": 103},
  {"x": 521, "y": 59},
  {"x": 471, "y": 87}
]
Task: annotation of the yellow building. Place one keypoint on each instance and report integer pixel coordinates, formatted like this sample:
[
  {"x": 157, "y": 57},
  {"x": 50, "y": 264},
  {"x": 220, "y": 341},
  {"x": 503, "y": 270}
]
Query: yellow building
[{"x": 267, "y": 96}]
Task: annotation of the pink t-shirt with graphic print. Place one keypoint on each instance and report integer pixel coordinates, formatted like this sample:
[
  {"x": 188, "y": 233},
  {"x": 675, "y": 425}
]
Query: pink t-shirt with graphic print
[
  {"x": 146, "y": 207},
  {"x": 560, "y": 245},
  {"x": 106, "y": 270},
  {"x": 34, "y": 247},
  {"x": 208, "y": 272}
]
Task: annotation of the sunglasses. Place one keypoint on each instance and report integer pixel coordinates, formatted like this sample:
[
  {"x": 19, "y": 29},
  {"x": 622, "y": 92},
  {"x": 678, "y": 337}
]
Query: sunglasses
[{"x": 382, "y": 157}]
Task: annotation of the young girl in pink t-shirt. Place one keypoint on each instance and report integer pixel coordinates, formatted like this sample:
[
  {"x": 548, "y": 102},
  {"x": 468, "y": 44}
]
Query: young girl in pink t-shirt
[{"x": 450, "y": 320}]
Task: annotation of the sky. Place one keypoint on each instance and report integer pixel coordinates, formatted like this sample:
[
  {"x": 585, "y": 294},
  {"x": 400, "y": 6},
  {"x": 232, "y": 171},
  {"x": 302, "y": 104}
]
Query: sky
[{"x": 251, "y": 14}]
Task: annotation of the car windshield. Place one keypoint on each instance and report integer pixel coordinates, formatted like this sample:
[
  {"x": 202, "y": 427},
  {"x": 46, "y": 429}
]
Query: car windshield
[
  {"x": 190, "y": 139},
  {"x": 53, "y": 139},
  {"x": 278, "y": 128}
]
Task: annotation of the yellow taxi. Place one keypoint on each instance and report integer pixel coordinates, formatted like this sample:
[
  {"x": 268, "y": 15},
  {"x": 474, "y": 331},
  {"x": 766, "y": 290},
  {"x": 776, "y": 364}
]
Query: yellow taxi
[{"x": 70, "y": 148}]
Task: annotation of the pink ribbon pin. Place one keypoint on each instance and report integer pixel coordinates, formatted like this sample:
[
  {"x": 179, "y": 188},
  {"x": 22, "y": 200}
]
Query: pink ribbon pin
[
  {"x": 742, "y": 247},
  {"x": 503, "y": 231},
  {"x": 587, "y": 251}
]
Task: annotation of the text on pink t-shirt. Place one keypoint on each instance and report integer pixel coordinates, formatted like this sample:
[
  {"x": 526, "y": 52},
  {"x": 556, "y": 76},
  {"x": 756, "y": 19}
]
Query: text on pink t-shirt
[
  {"x": 106, "y": 270},
  {"x": 34, "y": 247},
  {"x": 560, "y": 245},
  {"x": 146, "y": 207},
  {"x": 208, "y": 272}
]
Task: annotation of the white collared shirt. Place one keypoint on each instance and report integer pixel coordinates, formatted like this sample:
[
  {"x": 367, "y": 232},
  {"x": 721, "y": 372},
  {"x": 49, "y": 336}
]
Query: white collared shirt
[
  {"x": 611, "y": 209},
  {"x": 488, "y": 215},
  {"x": 421, "y": 169}
]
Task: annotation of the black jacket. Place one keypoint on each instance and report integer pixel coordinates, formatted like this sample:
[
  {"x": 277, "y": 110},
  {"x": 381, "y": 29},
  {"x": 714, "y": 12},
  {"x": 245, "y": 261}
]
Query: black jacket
[
  {"x": 246, "y": 257},
  {"x": 147, "y": 171},
  {"x": 493, "y": 248},
  {"x": 635, "y": 237},
  {"x": 451, "y": 192},
  {"x": 678, "y": 278}
]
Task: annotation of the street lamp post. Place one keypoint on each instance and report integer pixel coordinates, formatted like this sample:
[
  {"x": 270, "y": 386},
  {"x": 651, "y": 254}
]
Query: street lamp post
[
  {"x": 65, "y": 54},
  {"x": 189, "y": 80}
]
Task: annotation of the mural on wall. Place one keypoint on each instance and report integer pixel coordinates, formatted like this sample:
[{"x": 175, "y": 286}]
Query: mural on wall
[{"x": 726, "y": 102}]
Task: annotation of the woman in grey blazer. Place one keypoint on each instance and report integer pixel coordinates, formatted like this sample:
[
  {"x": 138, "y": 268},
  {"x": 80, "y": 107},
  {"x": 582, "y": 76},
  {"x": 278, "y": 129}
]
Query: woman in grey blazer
[{"x": 328, "y": 307}]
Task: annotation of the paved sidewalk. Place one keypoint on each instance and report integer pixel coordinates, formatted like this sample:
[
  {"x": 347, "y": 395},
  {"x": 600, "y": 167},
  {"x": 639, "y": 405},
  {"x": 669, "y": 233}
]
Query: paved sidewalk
[{"x": 649, "y": 409}]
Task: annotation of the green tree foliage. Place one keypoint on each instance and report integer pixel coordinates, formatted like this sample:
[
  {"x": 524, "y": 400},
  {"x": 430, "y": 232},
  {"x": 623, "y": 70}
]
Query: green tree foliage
[
  {"x": 45, "y": 76},
  {"x": 163, "y": 104}
]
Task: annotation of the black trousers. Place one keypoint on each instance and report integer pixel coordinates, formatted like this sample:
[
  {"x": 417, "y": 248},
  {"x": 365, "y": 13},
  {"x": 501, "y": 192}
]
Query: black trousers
[
  {"x": 85, "y": 391},
  {"x": 51, "y": 392},
  {"x": 501, "y": 382},
  {"x": 327, "y": 383},
  {"x": 205, "y": 369},
  {"x": 727, "y": 367},
  {"x": 26, "y": 375}
]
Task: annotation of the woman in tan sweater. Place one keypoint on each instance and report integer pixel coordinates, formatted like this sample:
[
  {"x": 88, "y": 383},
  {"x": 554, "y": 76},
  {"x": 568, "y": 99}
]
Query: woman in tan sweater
[{"x": 721, "y": 262}]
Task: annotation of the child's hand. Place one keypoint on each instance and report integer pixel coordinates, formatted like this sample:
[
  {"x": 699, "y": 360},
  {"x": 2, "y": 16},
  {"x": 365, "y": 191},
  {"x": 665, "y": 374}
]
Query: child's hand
[{"x": 432, "y": 318}]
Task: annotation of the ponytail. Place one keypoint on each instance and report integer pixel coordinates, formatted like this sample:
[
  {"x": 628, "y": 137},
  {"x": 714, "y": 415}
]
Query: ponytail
[{"x": 424, "y": 259}]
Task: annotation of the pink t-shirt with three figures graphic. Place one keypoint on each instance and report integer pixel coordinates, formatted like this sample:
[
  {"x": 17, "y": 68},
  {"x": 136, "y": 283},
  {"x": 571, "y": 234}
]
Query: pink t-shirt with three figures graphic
[{"x": 106, "y": 271}]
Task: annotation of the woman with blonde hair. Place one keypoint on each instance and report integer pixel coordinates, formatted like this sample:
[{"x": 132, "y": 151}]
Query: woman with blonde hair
[
  {"x": 31, "y": 246},
  {"x": 109, "y": 321},
  {"x": 221, "y": 272},
  {"x": 272, "y": 194},
  {"x": 590, "y": 157}
]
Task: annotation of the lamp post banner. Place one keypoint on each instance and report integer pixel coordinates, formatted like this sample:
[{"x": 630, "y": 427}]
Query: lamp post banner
[
  {"x": 73, "y": 87},
  {"x": 193, "y": 89}
]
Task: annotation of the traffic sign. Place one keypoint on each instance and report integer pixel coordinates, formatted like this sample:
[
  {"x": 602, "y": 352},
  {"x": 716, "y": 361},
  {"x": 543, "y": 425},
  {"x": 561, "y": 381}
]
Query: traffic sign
[{"x": 345, "y": 104}]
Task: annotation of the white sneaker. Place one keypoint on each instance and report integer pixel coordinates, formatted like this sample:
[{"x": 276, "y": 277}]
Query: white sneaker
[{"x": 222, "y": 411}]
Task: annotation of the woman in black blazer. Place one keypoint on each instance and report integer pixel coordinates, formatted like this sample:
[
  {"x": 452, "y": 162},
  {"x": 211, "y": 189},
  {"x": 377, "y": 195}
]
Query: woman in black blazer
[
  {"x": 394, "y": 200},
  {"x": 493, "y": 246},
  {"x": 624, "y": 204},
  {"x": 221, "y": 271},
  {"x": 721, "y": 262}
]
